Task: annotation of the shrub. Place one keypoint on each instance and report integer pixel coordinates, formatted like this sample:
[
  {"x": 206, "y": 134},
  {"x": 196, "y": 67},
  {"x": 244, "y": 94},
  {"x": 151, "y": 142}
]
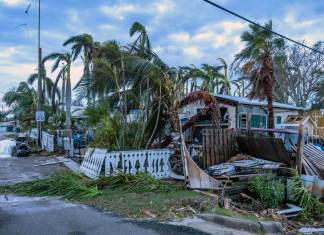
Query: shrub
[{"x": 269, "y": 190}]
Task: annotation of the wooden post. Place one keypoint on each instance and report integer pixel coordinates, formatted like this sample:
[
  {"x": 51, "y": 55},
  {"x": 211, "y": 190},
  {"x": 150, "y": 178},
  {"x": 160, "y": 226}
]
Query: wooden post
[{"x": 300, "y": 148}]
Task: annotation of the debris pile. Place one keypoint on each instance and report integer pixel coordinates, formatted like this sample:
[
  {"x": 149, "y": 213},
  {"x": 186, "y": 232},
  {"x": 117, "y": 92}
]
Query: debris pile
[{"x": 249, "y": 165}]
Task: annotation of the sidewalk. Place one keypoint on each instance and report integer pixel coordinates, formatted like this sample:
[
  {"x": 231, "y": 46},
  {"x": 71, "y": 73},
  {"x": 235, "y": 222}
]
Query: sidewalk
[{"x": 14, "y": 169}]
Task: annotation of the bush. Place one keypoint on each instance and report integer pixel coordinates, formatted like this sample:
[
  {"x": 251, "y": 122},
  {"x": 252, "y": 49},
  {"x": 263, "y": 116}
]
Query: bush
[{"x": 269, "y": 190}]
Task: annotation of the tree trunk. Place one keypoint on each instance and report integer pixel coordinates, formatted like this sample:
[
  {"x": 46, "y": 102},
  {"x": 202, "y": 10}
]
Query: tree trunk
[
  {"x": 68, "y": 99},
  {"x": 87, "y": 76},
  {"x": 270, "y": 111},
  {"x": 63, "y": 92},
  {"x": 268, "y": 69},
  {"x": 54, "y": 93}
]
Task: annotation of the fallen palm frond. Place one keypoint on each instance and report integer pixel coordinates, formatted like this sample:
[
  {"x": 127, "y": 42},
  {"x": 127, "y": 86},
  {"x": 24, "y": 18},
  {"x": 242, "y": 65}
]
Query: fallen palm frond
[
  {"x": 311, "y": 205},
  {"x": 67, "y": 184},
  {"x": 138, "y": 183}
]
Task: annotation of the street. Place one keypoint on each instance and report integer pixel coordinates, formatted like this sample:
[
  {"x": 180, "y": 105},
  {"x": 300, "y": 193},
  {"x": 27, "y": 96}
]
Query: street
[{"x": 43, "y": 215}]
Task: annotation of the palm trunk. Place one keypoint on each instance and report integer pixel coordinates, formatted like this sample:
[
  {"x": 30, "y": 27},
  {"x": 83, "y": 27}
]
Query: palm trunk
[
  {"x": 54, "y": 93},
  {"x": 63, "y": 92},
  {"x": 68, "y": 99},
  {"x": 267, "y": 64},
  {"x": 87, "y": 75},
  {"x": 270, "y": 107}
]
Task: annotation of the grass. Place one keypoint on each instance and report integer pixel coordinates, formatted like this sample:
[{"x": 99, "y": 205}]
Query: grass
[{"x": 165, "y": 205}]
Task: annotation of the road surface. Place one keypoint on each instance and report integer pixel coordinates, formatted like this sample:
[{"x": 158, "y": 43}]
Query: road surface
[{"x": 50, "y": 216}]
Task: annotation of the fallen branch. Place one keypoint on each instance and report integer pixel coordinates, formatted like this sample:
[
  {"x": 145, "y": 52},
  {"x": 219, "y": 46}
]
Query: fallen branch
[{"x": 252, "y": 199}]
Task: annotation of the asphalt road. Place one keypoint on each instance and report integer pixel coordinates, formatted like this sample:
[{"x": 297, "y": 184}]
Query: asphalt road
[{"x": 43, "y": 215}]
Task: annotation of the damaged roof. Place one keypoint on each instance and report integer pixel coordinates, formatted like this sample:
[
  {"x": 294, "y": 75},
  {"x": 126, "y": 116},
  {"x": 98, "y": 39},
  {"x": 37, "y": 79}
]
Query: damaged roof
[{"x": 257, "y": 102}]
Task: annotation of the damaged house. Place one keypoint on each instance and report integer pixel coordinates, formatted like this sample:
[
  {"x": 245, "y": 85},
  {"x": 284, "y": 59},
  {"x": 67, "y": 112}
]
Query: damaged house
[{"x": 243, "y": 113}]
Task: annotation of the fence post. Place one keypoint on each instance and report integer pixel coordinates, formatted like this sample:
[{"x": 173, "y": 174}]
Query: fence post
[{"x": 300, "y": 148}]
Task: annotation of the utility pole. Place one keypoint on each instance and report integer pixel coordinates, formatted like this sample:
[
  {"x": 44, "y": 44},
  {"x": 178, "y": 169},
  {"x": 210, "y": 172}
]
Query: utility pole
[{"x": 39, "y": 84}]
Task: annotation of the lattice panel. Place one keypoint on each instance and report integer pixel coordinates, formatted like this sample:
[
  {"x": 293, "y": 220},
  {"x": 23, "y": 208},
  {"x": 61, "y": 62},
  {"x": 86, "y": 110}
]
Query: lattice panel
[{"x": 92, "y": 163}]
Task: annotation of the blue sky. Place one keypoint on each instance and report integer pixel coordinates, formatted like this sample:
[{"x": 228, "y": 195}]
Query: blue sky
[{"x": 182, "y": 32}]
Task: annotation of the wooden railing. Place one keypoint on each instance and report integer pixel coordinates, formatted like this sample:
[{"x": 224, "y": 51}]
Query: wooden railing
[{"x": 154, "y": 162}]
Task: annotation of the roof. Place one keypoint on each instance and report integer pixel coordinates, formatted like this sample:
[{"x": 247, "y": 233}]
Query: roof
[
  {"x": 248, "y": 101},
  {"x": 295, "y": 120}
]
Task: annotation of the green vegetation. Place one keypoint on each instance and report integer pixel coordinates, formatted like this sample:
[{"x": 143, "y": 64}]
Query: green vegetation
[
  {"x": 67, "y": 184},
  {"x": 311, "y": 205},
  {"x": 123, "y": 194},
  {"x": 139, "y": 183},
  {"x": 269, "y": 190}
]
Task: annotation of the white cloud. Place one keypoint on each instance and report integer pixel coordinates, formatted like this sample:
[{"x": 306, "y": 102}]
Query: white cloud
[
  {"x": 13, "y": 3},
  {"x": 193, "y": 52},
  {"x": 122, "y": 10},
  {"x": 212, "y": 40},
  {"x": 295, "y": 25},
  {"x": 118, "y": 11},
  {"x": 181, "y": 37}
]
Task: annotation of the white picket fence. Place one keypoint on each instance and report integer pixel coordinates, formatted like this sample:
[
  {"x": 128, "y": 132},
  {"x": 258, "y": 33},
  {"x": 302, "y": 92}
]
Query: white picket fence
[
  {"x": 48, "y": 142},
  {"x": 154, "y": 162}
]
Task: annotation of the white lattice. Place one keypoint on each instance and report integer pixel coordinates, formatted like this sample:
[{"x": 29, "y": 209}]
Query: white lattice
[
  {"x": 155, "y": 162},
  {"x": 92, "y": 162}
]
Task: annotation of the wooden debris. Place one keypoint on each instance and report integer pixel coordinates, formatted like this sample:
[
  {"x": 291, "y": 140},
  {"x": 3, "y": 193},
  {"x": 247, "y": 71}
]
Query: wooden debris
[
  {"x": 148, "y": 213},
  {"x": 311, "y": 230},
  {"x": 207, "y": 193},
  {"x": 50, "y": 163},
  {"x": 291, "y": 212},
  {"x": 252, "y": 199}
]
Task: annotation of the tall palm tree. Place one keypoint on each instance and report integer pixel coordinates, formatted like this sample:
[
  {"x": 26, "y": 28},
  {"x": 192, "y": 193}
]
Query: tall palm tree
[
  {"x": 256, "y": 59},
  {"x": 83, "y": 43},
  {"x": 66, "y": 59},
  {"x": 224, "y": 79}
]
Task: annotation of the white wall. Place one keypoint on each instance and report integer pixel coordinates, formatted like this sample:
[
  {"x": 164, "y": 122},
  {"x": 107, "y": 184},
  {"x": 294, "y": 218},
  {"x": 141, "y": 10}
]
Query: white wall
[{"x": 284, "y": 114}]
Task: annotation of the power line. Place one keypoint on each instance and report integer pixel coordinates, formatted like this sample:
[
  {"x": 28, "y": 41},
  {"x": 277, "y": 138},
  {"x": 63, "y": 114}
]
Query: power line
[{"x": 254, "y": 23}]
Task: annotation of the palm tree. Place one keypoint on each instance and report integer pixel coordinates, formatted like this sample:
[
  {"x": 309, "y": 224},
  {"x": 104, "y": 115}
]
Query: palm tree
[
  {"x": 48, "y": 85},
  {"x": 256, "y": 59},
  {"x": 224, "y": 79},
  {"x": 66, "y": 59},
  {"x": 142, "y": 44},
  {"x": 83, "y": 43},
  {"x": 22, "y": 102}
]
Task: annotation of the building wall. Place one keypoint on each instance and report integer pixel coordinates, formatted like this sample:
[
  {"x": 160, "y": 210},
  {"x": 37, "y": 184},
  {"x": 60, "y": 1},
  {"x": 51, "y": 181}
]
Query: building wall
[
  {"x": 283, "y": 114},
  {"x": 234, "y": 113}
]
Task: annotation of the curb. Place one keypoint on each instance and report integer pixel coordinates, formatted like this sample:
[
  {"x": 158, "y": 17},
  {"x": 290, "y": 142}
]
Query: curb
[{"x": 267, "y": 227}]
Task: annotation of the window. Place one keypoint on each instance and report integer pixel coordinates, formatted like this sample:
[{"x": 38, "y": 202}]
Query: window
[
  {"x": 278, "y": 120},
  {"x": 242, "y": 120},
  {"x": 255, "y": 121}
]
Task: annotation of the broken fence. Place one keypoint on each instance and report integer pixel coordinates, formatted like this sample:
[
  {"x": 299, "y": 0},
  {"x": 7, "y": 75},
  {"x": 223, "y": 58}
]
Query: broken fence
[
  {"x": 154, "y": 162},
  {"x": 219, "y": 145},
  {"x": 50, "y": 143}
]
